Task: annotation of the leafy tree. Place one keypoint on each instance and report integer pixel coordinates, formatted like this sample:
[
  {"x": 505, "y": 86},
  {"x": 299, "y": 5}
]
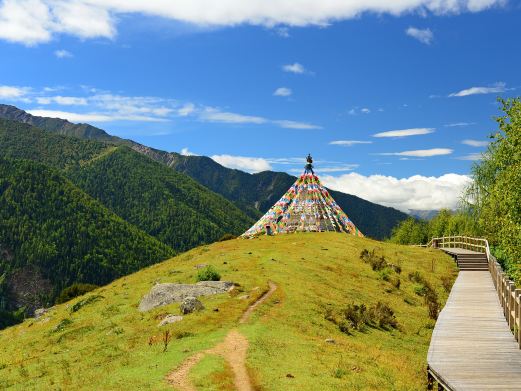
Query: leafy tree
[{"x": 496, "y": 191}]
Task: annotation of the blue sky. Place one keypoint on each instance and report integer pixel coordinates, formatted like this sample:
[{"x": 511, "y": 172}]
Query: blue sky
[{"x": 395, "y": 102}]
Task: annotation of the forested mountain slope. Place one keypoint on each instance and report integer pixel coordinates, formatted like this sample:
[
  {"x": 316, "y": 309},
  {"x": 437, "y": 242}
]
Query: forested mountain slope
[
  {"x": 168, "y": 205},
  {"x": 52, "y": 234}
]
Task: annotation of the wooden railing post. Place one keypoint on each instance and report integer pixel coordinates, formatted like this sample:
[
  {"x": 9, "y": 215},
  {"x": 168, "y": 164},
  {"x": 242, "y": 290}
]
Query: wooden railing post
[
  {"x": 511, "y": 303},
  {"x": 517, "y": 315}
]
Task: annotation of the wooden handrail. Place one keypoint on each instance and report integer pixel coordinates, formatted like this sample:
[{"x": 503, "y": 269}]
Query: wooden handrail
[{"x": 509, "y": 296}]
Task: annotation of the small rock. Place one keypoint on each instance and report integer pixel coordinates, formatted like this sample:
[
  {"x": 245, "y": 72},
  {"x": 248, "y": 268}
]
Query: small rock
[
  {"x": 201, "y": 266},
  {"x": 190, "y": 304},
  {"x": 39, "y": 312},
  {"x": 216, "y": 310},
  {"x": 330, "y": 340},
  {"x": 225, "y": 263},
  {"x": 290, "y": 376},
  {"x": 170, "y": 319},
  {"x": 244, "y": 297}
]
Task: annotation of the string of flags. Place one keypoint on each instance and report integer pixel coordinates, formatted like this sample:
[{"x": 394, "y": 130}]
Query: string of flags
[{"x": 307, "y": 206}]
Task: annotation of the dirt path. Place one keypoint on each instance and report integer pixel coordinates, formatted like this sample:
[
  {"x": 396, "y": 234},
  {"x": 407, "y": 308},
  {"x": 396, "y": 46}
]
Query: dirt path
[
  {"x": 233, "y": 349},
  {"x": 260, "y": 300}
]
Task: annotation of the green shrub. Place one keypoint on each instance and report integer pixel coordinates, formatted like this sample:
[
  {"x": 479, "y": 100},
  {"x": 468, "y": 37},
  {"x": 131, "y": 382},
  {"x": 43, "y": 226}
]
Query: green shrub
[
  {"x": 383, "y": 316},
  {"x": 377, "y": 262},
  {"x": 227, "y": 237},
  {"x": 62, "y": 325},
  {"x": 209, "y": 273},
  {"x": 73, "y": 291},
  {"x": 82, "y": 303}
]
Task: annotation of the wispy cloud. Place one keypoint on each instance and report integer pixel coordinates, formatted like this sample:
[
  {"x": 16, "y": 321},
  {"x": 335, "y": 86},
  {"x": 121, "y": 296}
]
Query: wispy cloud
[
  {"x": 471, "y": 157},
  {"x": 93, "y": 116},
  {"x": 294, "y": 68},
  {"x": 287, "y": 124},
  {"x": 496, "y": 88},
  {"x": 13, "y": 93},
  {"x": 244, "y": 163},
  {"x": 349, "y": 143},
  {"x": 425, "y": 36},
  {"x": 62, "y": 100},
  {"x": 363, "y": 110},
  {"x": 62, "y": 53},
  {"x": 475, "y": 143},
  {"x": 421, "y": 152},
  {"x": 282, "y": 91},
  {"x": 459, "y": 124},
  {"x": 405, "y": 132},
  {"x": 215, "y": 115}
]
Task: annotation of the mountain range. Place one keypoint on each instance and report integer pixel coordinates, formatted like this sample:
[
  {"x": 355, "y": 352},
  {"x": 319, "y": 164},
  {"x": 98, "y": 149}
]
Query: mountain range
[{"x": 80, "y": 205}]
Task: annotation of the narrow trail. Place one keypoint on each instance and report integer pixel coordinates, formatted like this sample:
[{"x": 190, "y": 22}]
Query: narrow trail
[{"x": 233, "y": 349}]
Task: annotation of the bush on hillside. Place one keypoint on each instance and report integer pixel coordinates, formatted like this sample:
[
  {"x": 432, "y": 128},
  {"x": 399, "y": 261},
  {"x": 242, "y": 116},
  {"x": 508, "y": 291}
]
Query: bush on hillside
[
  {"x": 359, "y": 316},
  {"x": 425, "y": 289},
  {"x": 209, "y": 273},
  {"x": 73, "y": 291},
  {"x": 226, "y": 237}
]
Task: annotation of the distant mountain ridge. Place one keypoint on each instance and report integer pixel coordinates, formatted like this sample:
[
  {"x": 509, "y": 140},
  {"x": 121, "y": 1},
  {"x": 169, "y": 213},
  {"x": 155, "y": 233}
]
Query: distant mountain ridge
[{"x": 252, "y": 193}]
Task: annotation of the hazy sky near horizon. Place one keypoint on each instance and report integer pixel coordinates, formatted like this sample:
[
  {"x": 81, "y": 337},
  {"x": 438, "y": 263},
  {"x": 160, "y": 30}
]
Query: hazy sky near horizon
[{"x": 395, "y": 100}]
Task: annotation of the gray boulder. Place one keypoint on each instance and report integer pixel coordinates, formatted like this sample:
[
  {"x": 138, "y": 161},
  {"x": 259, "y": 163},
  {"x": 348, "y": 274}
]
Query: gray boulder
[
  {"x": 169, "y": 319},
  {"x": 38, "y": 313},
  {"x": 190, "y": 304},
  {"x": 164, "y": 294}
]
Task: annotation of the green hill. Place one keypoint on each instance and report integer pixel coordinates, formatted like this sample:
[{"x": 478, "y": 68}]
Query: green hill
[
  {"x": 166, "y": 204},
  {"x": 253, "y": 194},
  {"x": 53, "y": 234},
  {"x": 102, "y": 341}
]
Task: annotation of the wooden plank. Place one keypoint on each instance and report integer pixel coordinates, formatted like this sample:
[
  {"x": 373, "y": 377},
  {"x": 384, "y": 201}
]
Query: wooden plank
[{"x": 472, "y": 347}]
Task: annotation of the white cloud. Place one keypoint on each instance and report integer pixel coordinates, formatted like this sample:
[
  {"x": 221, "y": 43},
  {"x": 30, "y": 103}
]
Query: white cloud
[
  {"x": 475, "y": 143},
  {"x": 365, "y": 110},
  {"x": 283, "y": 91},
  {"x": 36, "y": 21},
  {"x": 249, "y": 164},
  {"x": 349, "y": 143},
  {"x": 425, "y": 36},
  {"x": 186, "y": 109},
  {"x": 62, "y": 53},
  {"x": 92, "y": 117},
  {"x": 62, "y": 100},
  {"x": 287, "y": 124},
  {"x": 405, "y": 132},
  {"x": 421, "y": 152},
  {"x": 294, "y": 68},
  {"x": 186, "y": 152},
  {"x": 12, "y": 92},
  {"x": 215, "y": 115},
  {"x": 496, "y": 88},
  {"x": 459, "y": 124},
  {"x": 415, "y": 192},
  {"x": 282, "y": 32},
  {"x": 471, "y": 156}
]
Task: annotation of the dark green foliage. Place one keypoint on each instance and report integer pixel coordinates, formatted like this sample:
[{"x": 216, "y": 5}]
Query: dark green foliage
[
  {"x": 62, "y": 325},
  {"x": 425, "y": 289},
  {"x": 75, "y": 290},
  {"x": 495, "y": 194},
  {"x": 209, "y": 273},
  {"x": 377, "y": 262},
  {"x": 10, "y": 318},
  {"x": 359, "y": 316},
  {"x": 227, "y": 237},
  {"x": 166, "y": 204},
  {"x": 445, "y": 223},
  {"x": 22, "y": 141},
  {"x": 82, "y": 303},
  {"x": 51, "y": 225}
]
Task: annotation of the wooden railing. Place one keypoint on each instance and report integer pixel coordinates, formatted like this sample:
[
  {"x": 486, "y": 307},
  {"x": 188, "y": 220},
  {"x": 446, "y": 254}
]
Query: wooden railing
[{"x": 509, "y": 296}]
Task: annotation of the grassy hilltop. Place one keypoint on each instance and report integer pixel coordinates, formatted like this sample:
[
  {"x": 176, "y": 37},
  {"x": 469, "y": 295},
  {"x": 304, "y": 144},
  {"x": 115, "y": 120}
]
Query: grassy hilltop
[{"x": 101, "y": 341}]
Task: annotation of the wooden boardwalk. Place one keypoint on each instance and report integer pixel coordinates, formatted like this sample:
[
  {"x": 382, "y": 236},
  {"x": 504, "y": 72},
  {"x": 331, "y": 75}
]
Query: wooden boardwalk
[{"x": 472, "y": 347}]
